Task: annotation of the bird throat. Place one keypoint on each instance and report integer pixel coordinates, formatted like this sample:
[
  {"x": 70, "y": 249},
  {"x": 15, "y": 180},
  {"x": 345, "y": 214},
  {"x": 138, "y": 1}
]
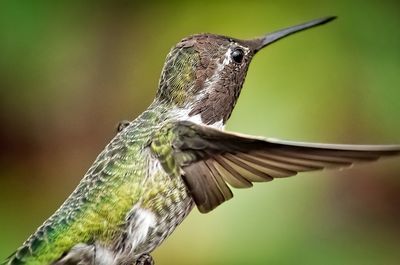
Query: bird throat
[{"x": 215, "y": 103}]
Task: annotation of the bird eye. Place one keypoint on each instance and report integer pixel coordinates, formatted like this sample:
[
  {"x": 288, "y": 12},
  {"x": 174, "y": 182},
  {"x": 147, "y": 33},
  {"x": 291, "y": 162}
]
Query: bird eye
[{"x": 237, "y": 55}]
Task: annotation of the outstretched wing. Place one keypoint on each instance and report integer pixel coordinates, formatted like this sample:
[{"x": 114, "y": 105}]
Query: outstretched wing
[{"x": 211, "y": 159}]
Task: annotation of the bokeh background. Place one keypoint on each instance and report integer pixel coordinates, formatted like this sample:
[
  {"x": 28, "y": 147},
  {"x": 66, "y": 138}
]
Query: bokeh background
[{"x": 70, "y": 71}]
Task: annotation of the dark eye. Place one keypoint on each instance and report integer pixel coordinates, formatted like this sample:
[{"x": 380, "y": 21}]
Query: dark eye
[{"x": 237, "y": 55}]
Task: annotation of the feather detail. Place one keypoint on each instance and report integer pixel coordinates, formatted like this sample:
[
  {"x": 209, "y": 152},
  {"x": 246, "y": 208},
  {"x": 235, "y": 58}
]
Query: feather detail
[{"x": 212, "y": 159}]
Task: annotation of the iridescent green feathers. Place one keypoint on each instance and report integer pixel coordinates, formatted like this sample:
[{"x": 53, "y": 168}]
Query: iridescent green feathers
[
  {"x": 97, "y": 209},
  {"x": 178, "y": 76}
]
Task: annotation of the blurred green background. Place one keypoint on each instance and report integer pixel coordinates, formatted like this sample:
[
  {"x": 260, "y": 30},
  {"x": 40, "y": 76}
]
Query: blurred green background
[{"x": 70, "y": 71}]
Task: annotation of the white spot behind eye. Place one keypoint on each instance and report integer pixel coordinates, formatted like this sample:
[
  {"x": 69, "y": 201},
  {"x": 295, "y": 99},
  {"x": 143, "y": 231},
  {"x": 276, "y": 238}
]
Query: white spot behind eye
[{"x": 227, "y": 58}]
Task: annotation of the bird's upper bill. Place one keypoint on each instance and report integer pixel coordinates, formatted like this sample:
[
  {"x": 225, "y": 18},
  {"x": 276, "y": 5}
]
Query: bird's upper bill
[{"x": 261, "y": 42}]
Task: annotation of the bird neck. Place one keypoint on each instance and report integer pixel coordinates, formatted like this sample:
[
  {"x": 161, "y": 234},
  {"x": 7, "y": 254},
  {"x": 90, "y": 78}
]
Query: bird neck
[{"x": 164, "y": 111}]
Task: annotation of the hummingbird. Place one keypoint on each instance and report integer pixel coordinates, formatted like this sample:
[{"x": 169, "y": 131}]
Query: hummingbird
[{"x": 176, "y": 156}]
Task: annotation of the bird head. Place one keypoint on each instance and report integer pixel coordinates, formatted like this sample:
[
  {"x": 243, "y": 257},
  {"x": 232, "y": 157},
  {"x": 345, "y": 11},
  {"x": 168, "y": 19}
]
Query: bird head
[{"x": 204, "y": 73}]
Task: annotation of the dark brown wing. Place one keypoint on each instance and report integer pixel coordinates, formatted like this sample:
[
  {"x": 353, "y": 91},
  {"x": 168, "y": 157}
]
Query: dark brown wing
[{"x": 211, "y": 159}]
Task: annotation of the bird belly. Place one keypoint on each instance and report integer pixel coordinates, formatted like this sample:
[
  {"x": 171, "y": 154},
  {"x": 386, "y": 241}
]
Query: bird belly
[
  {"x": 149, "y": 222},
  {"x": 164, "y": 204}
]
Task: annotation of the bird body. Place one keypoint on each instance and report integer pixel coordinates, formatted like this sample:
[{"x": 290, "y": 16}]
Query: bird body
[
  {"x": 173, "y": 156},
  {"x": 126, "y": 204}
]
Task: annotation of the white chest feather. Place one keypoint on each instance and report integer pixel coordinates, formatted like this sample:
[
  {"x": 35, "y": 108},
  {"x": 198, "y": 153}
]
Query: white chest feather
[
  {"x": 141, "y": 221},
  {"x": 197, "y": 119},
  {"x": 183, "y": 114}
]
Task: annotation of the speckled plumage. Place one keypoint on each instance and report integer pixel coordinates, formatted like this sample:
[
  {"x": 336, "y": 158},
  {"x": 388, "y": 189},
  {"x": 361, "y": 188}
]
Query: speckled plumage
[
  {"x": 125, "y": 174},
  {"x": 173, "y": 156}
]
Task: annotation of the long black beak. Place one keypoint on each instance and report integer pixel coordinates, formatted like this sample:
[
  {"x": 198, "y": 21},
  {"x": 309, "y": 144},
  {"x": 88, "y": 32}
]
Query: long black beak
[{"x": 259, "y": 43}]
